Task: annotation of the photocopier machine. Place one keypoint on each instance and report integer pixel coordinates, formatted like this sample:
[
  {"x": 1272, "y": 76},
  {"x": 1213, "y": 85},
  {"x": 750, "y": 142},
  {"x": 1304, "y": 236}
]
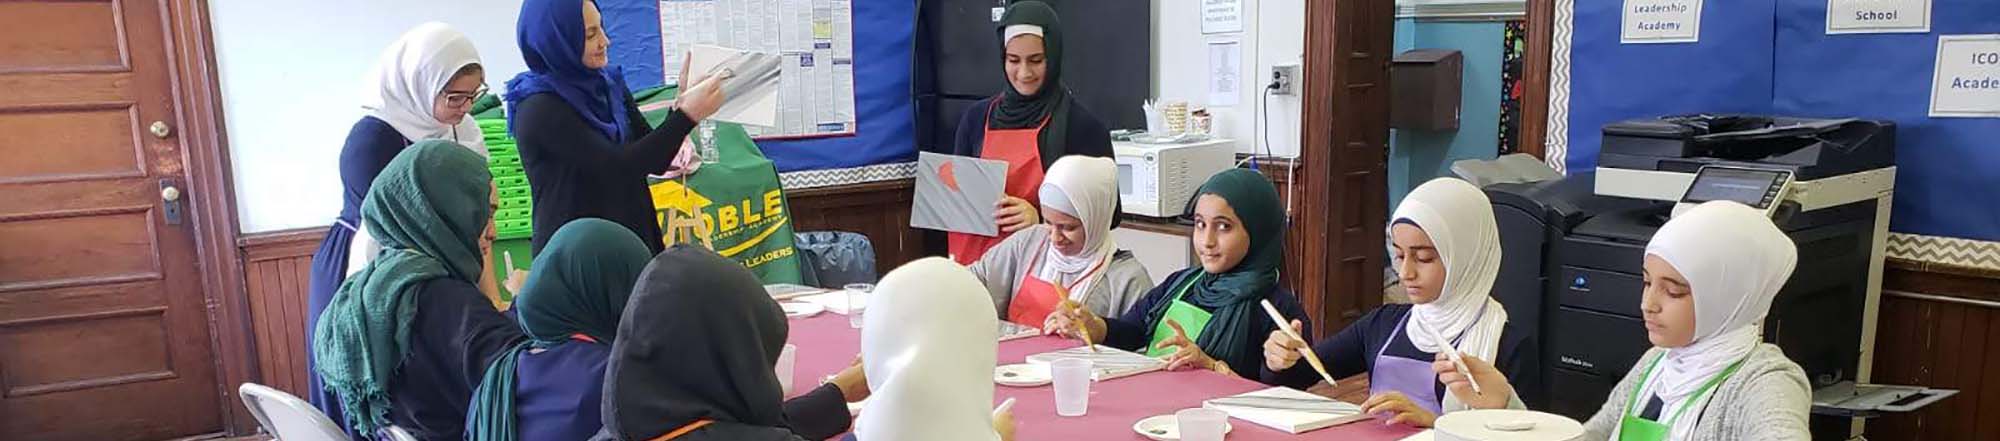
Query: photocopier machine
[{"x": 1574, "y": 245}]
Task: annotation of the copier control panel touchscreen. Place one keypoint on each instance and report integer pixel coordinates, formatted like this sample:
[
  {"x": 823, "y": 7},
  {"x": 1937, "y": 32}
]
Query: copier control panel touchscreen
[{"x": 1758, "y": 188}]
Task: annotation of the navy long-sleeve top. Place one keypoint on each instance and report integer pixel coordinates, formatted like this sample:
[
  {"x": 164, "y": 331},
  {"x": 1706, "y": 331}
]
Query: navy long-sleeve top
[
  {"x": 574, "y": 171},
  {"x": 1133, "y": 330},
  {"x": 453, "y": 339},
  {"x": 371, "y": 143},
  {"x": 1353, "y": 351}
]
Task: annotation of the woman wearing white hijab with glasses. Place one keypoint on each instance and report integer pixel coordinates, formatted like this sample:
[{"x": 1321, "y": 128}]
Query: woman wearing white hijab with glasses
[
  {"x": 1446, "y": 249},
  {"x": 421, "y": 89},
  {"x": 929, "y": 349},
  {"x": 1711, "y": 274},
  {"x": 1071, "y": 256}
]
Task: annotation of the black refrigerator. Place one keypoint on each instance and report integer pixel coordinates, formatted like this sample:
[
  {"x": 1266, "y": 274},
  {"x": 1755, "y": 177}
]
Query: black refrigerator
[{"x": 1107, "y": 62}]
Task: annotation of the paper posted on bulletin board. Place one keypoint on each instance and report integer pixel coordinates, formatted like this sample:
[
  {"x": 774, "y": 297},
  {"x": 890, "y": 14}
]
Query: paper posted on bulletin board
[{"x": 814, "y": 39}]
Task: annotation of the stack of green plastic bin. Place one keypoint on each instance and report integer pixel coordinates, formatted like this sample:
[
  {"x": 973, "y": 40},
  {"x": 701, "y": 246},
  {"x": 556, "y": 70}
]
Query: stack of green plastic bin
[{"x": 514, "y": 221}]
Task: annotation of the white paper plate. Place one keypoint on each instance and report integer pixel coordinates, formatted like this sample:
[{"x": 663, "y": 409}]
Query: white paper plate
[
  {"x": 801, "y": 309},
  {"x": 1168, "y": 428},
  {"x": 1022, "y": 375}
]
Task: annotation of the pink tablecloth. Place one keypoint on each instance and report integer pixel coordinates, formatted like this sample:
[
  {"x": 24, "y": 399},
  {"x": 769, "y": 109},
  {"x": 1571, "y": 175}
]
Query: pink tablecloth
[{"x": 827, "y": 344}]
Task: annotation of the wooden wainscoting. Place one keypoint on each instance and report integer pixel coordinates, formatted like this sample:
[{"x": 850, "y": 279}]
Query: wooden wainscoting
[
  {"x": 880, "y": 210},
  {"x": 276, "y": 267},
  {"x": 1940, "y": 330}
]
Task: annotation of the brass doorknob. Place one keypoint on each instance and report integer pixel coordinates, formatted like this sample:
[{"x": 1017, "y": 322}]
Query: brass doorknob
[{"x": 161, "y": 130}]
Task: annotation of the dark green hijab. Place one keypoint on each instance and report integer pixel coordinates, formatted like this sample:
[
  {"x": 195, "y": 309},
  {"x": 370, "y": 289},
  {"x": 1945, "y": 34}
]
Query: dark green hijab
[
  {"x": 1052, "y": 103},
  {"x": 428, "y": 209},
  {"x": 580, "y": 282},
  {"x": 1232, "y": 296},
  {"x": 579, "y": 285}
]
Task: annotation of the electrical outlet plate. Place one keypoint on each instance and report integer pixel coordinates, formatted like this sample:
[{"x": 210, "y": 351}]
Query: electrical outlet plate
[{"x": 1287, "y": 77}]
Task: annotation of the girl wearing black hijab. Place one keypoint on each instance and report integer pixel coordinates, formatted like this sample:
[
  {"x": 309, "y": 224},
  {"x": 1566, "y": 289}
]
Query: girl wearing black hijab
[
  {"x": 694, "y": 360},
  {"x": 1030, "y": 125}
]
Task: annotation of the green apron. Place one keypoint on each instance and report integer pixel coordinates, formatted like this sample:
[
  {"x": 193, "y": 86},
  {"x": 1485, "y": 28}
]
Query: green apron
[
  {"x": 1191, "y": 318},
  {"x": 1635, "y": 428}
]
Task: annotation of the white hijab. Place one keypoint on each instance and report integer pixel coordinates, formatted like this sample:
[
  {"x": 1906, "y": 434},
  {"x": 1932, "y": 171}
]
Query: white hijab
[
  {"x": 1459, "y": 220},
  {"x": 410, "y": 75},
  {"x": 928, "y": 348},
  {"x": 1086, "y": 188},
  {"x": 1735, "y": 261}
]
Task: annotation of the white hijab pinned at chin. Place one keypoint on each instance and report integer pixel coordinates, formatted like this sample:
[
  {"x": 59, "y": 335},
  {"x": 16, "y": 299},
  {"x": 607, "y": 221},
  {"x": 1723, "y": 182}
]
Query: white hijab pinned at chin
[
  {"x": 1735, "y": 261},
  {"x": 928, "y": 347},
  {"x": 408, "y": 78},
  {"x": 1459, "y": 220},
  {"x": 1085, "y": 188}
]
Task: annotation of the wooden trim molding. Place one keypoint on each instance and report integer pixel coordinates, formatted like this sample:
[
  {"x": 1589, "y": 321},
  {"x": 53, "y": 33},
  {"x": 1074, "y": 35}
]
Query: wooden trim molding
[
  {"x": 1535, "y": 78},
  {"x": 191, "y": 52}
]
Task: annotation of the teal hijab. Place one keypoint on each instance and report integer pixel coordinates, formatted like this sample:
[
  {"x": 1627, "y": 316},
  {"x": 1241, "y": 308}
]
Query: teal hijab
[
  {"x": 1232, "y": 296},
  {"x": 579, "y": 286},
  {"x": 428, "y": 209}
]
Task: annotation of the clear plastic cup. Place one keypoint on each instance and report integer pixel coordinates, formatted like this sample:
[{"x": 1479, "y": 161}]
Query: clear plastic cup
[
  {"x": 786, "y": 360},
  {"x": 1072, "y": 378},
  {"x": 857, "y": 300},
  {"x": 1201, "y": 424}
]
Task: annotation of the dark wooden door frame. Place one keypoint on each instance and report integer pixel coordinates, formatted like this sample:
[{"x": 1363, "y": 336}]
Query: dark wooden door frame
[
  {"x": 1535, "y": 78},
  {"x": 1344, "y": 150},
  {"x": 212, "y": 203}
]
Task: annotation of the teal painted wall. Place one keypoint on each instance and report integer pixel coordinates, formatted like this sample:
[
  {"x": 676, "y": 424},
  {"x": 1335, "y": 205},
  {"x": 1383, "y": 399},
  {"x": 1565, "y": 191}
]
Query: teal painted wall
[{"x": 1416, "y": 156}]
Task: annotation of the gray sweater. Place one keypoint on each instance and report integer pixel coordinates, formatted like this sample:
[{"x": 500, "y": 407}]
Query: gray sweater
[
  {"x": 1124, "y": 282},
  {"x": 1767, "y": 399}
]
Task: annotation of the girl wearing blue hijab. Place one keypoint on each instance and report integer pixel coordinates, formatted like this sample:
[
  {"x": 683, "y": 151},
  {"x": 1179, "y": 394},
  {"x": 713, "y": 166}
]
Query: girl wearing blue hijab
[{"x": 585, "y": 146}]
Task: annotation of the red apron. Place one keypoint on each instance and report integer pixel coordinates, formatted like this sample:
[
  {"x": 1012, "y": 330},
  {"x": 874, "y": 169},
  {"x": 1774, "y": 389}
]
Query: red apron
[
  {"x": 1023, "y": 153},
  {"x": 1035, "y": 299}
]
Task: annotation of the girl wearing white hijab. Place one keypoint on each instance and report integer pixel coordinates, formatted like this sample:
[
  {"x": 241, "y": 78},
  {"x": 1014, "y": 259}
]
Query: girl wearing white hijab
[
  {"x": 1446, "y": 249},
  {"x": 421, "y": 89},
  {"x": 1711, "y": 274},
  {"x": 1071, "y": 257},
  {"x": 929, "y": 348}
]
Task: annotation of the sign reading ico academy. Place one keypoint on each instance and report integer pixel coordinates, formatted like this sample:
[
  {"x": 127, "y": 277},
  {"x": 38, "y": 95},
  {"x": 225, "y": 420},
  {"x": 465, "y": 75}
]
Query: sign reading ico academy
[{"x": 1967, "y": 83}]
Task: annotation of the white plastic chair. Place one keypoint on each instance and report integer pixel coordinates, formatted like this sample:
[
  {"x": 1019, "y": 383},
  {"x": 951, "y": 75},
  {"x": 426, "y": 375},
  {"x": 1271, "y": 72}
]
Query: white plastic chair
[
  {"x": 394, "y": 433},
  {"x": 287, "y": 417}
]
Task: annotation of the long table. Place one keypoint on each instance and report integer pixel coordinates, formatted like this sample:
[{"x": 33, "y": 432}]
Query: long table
[{"x": 827, "y": 344}]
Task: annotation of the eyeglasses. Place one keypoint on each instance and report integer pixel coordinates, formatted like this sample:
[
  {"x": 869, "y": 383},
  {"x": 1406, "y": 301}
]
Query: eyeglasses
[{"x": 462, "y": 99}]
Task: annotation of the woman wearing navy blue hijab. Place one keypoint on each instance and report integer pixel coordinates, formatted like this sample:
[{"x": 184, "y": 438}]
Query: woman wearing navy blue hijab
[{"x": 584, "y": 144}]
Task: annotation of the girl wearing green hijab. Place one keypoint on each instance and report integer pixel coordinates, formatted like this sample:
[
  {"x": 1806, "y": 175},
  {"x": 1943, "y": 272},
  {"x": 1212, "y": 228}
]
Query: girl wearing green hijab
[
  {"x": 405, "y": 338},
  {"x": 549, "y": 386},
  {"x": 1209, "y": 317}
]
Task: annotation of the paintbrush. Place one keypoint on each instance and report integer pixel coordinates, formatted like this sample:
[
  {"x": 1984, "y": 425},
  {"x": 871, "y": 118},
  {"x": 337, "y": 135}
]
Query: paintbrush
[
  {"x": 1452, "y": 353},
  {"x": 1311, "y": 358}
]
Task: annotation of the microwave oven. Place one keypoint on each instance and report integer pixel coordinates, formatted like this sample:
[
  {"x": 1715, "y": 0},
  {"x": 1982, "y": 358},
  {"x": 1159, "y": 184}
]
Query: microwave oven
[{"x": 1156, "y": 180}]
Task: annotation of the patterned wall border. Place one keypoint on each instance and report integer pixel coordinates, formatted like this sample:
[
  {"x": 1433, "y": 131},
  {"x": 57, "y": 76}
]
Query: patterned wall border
[
  {"x": 1978, "y": 256},
  {"x": 1555, "y": 146},
  {"x": 800, "y": 180}
]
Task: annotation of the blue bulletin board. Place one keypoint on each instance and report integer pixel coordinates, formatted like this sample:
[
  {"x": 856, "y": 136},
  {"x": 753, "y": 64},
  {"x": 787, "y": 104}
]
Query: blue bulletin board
[
  {"x": 1775, "y": 57},
  {"x": 883, "y": 104}
]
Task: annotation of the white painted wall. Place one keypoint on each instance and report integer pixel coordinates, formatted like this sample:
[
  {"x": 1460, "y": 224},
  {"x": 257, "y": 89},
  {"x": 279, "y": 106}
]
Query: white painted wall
[
  {"x": 291, "y": 75},
  {"x": 1273, "y": 34}
]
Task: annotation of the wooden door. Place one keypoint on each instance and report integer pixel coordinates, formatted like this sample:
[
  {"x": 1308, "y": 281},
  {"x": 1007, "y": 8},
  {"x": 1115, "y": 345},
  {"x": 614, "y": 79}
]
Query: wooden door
[
  {"x": 1345, "y": 148},
  {"x": 103, "y": 331}
]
